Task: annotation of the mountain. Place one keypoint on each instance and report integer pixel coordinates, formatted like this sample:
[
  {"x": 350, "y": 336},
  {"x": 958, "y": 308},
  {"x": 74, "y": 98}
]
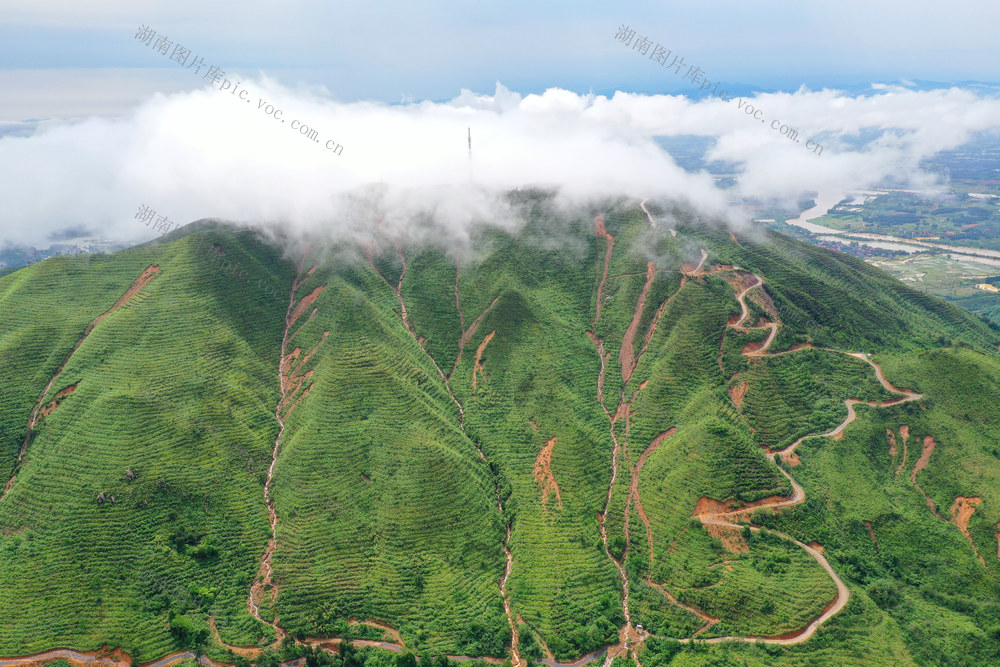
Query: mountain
[
  {"x": 12, "y": 257},
  {"x": 599, "y": 431}
]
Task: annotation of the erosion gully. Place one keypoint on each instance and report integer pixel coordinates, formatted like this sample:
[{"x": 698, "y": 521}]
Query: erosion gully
[
  {"x": 291, "y": 381},
  {"x": 630, "y": 639},
  {"x": 465, "y": 336},
  {"x": 144, "y": 278}
]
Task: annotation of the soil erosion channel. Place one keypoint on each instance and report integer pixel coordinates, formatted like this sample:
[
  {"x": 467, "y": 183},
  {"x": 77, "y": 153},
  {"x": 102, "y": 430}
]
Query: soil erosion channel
[{"x": 292, "y": 380}]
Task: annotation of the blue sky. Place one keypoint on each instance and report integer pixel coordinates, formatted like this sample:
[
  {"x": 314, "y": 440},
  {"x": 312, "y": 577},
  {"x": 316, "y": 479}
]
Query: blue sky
[
  {"x": 390, "y": 51},
  {"x": 119, "y": 125}
]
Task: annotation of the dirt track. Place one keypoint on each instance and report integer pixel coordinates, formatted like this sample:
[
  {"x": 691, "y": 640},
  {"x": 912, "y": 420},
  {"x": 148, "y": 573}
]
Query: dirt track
[
  {"x": 843, "y": 594},
  {"x": 709, "y": 518},
  {"x": 626, "y": 355},
  {"x": 723, "y": 519}
]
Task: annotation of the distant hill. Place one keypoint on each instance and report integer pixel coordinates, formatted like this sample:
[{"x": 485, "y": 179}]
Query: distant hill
[{"x": 601, "y": 433}]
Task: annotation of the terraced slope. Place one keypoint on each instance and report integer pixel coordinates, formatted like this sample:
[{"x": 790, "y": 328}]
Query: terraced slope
[
  {"x": 136, "y": 496},
  {"x": 387, "y": 510},
  {"x": 600, "y": 437}
]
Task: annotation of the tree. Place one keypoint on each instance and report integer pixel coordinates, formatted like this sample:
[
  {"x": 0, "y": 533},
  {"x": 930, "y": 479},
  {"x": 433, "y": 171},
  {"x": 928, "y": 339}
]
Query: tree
[
  {"x": 188, "y": 632},
  {"x": 406, "y": 660}
]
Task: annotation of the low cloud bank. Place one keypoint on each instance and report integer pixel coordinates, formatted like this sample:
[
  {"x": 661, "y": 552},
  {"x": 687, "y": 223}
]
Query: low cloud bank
[{"x": 215, "y": 154}]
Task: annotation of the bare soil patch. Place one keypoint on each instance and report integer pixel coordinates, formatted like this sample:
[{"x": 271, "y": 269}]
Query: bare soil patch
[
  {"x": 925, "y": 457},
  {"x": 904, "y": 433},
  {"x": 543, "y": 474},
  {"x": 961, "y": 512},
  {"x": 51, "y": 407},
  {"x": 706, "y": 505},
  {"x": 303, "y": 304},
  {"x": 477, "y": 365},
  {"x": 626, "y": 355},
  {"x": 737, "y": 392}
]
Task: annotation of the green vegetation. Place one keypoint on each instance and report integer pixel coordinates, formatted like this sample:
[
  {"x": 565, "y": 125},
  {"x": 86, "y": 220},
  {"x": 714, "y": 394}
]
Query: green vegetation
[
  {"x": 801, "y": 393},
  {"x": 419, "y": 452},
  {"x": 958, "y": 219},
  {"x": 386, "y": 510},
  {"x": 137, "y": 511}
]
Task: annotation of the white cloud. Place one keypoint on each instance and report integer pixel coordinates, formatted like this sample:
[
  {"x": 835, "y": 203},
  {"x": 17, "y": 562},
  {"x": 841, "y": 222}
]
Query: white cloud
[{"x": 207, "y": 153}]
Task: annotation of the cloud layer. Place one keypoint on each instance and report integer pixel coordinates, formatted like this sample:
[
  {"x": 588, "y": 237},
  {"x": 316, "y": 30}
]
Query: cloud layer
[{"x": 208, "y": 153}]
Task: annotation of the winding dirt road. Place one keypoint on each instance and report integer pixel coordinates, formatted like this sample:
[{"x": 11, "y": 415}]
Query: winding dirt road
[
  {"x": 798, "y": 496},
  {"x": 725, "y": 519},
  {"x": 629, "y": 637}
]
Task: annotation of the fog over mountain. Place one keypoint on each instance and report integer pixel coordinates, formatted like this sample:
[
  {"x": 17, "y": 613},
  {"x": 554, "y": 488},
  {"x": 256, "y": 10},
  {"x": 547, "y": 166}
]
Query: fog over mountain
[{"x": 208, "y": 153}]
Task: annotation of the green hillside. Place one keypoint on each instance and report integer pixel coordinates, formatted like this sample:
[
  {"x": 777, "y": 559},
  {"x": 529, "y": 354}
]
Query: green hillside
[{"x": 590, "y": 435}]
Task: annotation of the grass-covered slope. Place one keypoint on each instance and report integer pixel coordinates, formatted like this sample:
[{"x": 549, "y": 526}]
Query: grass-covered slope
[
  {"x": 386, "y": 509},
  {"x": 138, "y": 496},
  {"x": 509, "y": 454},
  {"x": 528, "y": 381}
]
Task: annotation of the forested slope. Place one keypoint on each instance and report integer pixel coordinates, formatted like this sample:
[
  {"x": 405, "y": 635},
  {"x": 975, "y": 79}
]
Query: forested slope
[{"x": 597, "y": 432}]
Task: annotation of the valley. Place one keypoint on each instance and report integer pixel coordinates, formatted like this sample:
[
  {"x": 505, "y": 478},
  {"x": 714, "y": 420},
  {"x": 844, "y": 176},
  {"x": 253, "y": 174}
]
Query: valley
[{"x": 627, "y": 458}]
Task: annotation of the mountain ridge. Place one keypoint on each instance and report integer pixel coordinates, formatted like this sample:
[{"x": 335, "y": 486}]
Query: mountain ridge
[{"x": 433, "y": 426}]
